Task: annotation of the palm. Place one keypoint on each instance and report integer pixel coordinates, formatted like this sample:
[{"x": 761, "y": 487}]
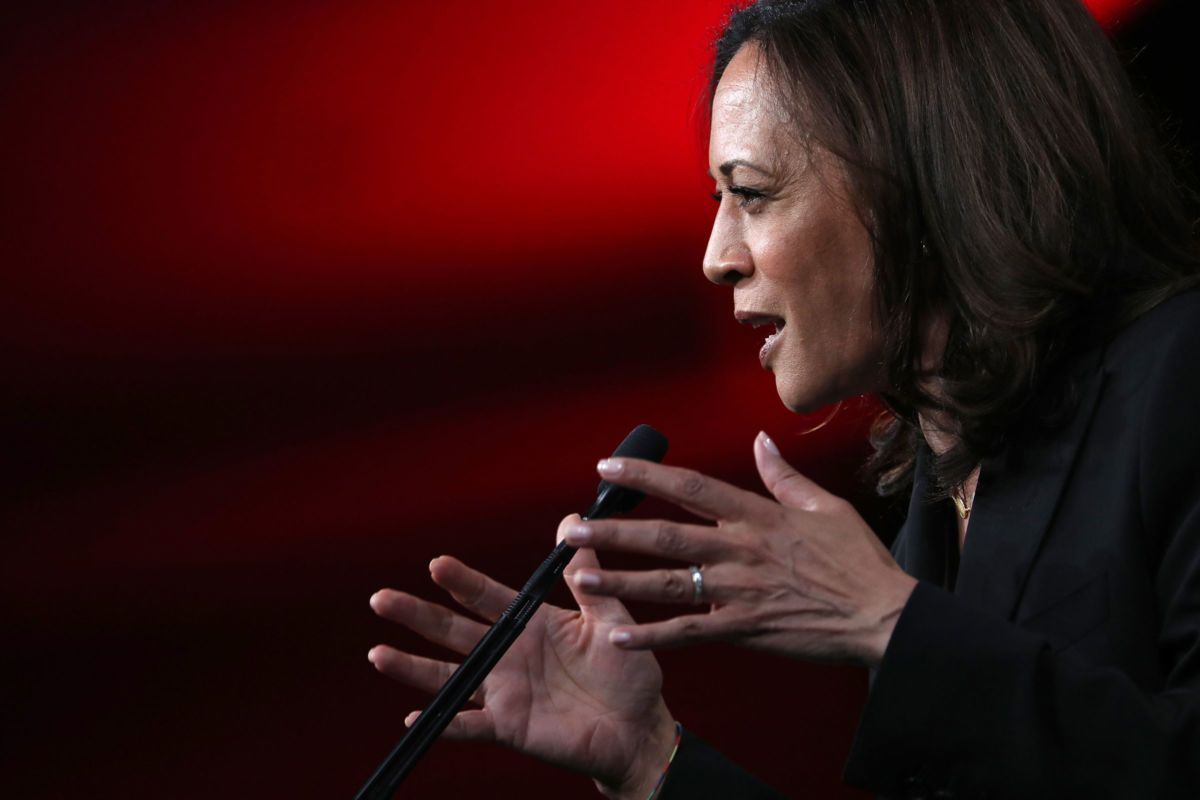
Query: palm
[
  {"x": 563, "y": 693},
  {"x": 564, "y": 690}
]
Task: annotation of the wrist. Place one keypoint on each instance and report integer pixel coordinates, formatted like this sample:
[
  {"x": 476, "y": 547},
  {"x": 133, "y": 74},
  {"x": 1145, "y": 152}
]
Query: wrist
[
  {"x": 653, "y": 751},
  {"x": 883, "y": 623}
]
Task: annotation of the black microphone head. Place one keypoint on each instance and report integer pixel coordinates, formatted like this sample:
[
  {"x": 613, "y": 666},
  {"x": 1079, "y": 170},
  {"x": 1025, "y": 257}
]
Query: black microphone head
[{"x": 642, "y": 442}]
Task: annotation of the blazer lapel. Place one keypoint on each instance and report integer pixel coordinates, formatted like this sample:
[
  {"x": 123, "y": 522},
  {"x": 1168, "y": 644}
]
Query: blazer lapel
[
  {"x": 1015, "y": 500},
  {"x": 921, "y": 544}
]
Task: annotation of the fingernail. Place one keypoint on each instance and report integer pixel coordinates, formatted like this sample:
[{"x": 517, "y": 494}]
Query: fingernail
[
  {"x": 587, "y": 579},
  {"x": 431, "y": 563},
  {"x": 767, "y": 443},
  {"x": 411, "y": 718},
  {"x": 619, "y": 637},
  {"x": 371, "y": 654},
  {"x": 609, "y": 467},
  {"x": 578, "y": 534}
]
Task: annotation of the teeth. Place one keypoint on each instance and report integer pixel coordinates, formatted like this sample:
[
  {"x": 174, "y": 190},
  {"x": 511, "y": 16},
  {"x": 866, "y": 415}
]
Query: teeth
[
  {"x": 778, "y": 323},
  {"x": 771, "y": 339}
]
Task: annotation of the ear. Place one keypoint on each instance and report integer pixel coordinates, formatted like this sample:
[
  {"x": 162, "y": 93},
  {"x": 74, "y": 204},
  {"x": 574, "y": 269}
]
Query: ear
[{"x": 787, "y": 485}]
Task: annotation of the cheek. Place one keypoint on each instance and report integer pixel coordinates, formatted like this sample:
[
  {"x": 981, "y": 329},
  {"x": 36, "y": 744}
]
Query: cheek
[
  {"x": 837, "y": 343},
  {"x": 841, "y": 266},
  {"x": 827, "y": 278}
]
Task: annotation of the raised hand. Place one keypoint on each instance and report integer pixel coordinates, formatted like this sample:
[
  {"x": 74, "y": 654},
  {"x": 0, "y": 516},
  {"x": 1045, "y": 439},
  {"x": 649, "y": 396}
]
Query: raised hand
[
  {"x": 563, "y": 693},
  {"x": 801, "y": 575}
]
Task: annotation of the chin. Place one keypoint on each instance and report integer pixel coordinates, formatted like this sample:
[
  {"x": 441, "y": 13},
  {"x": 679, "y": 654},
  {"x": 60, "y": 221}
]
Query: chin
[
  {"x": 798, "y": 399},
  {"x": 805, "y": 398},
  {"x": 801, "y": 394},
  {"x": 808, "y": 408}
]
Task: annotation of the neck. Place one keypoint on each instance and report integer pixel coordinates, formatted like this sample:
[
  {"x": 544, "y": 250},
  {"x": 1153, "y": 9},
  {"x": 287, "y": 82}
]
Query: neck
[
  {"x": 934, "y": 431},
  {"x": 939, "y": 442}
]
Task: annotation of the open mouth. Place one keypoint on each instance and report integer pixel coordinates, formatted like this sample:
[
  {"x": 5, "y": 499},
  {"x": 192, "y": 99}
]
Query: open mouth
[
  {"x": 762, "y": 320},
  {"x": 771, "y": 337},
  {"x": 777, "y": 324}
]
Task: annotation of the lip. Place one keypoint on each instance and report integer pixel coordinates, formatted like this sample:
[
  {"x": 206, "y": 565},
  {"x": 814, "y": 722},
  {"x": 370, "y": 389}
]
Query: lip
[{"x": 755, "y": 320}]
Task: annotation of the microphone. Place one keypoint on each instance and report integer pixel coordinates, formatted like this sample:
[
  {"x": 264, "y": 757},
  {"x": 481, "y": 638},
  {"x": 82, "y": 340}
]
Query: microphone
[{"x": 642, "y": 442}]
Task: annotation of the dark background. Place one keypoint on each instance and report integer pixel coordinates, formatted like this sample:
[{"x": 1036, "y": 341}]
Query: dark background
[{"x": 299, "y": 295}]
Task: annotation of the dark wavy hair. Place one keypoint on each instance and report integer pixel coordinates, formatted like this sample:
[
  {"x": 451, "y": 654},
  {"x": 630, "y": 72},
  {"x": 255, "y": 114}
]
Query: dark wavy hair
[{"x": 1012, "y": 184}]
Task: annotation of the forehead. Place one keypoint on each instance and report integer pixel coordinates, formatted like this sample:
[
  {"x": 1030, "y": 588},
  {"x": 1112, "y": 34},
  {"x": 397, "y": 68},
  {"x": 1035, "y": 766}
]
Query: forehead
[{"x": 748, "y": 113}]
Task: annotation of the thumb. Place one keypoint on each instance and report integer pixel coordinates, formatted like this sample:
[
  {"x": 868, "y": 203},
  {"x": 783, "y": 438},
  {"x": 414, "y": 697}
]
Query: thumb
[
  {"x": 787, "y": 485},
  {"x": 609, "y": 609}
]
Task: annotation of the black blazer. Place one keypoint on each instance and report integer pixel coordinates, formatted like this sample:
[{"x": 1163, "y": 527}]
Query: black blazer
[{"x": 1065, "y": 660}]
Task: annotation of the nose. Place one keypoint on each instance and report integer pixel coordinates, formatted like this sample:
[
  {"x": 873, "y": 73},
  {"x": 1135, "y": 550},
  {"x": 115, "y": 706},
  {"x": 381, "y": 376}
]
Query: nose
[{"x": 727, "y": 260}]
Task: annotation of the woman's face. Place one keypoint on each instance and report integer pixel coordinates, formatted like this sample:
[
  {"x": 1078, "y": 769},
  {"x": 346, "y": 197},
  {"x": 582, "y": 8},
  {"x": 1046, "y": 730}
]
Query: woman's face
[{"x": 788, "y": 241}]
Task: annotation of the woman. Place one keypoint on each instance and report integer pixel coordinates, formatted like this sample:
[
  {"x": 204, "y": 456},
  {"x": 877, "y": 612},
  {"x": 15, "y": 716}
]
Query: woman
[{"x": 952, "y": 205}]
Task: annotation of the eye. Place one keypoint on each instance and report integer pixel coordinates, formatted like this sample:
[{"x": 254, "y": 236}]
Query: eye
[{"x": 746, "y": 197}]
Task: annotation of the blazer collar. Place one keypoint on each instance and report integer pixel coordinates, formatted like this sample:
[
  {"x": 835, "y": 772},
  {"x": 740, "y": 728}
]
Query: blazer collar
[{"x": 1015, "y": 500}]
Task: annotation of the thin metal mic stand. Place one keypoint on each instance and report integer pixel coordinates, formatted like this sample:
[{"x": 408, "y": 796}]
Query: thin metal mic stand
[{"x": 643, "y": 442}]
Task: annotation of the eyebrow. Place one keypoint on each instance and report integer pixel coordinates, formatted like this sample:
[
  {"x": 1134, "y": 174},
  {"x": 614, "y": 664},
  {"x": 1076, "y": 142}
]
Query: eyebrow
[{"x": 728, "y": 167}]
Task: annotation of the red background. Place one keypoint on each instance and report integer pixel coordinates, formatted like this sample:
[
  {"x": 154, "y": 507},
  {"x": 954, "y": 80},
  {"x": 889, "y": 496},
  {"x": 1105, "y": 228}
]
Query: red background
[{"x": 300, "y": 295}]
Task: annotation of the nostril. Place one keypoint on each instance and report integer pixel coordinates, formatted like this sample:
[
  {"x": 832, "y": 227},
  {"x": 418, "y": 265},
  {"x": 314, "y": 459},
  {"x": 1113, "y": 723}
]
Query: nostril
[{"x": 728, "y": 265}]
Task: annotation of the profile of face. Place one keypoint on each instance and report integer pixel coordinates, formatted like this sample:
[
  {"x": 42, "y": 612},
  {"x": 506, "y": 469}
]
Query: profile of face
[{"x": 788, "y": 240}]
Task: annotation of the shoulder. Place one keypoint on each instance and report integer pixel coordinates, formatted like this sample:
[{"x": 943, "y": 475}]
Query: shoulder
[
  {"x": 1152, "y": 371},
  {"x": 1153, "y": 364},
  {"x": 1166, "y": 337},
  {"x": 1145, "y": 379}
]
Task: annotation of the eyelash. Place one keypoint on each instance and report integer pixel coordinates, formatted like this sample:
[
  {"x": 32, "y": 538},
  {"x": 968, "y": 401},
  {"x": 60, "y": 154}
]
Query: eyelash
[{"x": 746, "y": 197}]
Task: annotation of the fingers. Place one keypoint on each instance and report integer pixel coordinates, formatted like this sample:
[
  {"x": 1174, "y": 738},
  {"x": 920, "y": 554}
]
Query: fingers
[
  {"x": 422, "y": 673},
  {"x": 787, "y": 485},
  {"x": 696, "y": 543},
  {"x": 568, "y": 522},
  {"x": 436, "y": 623},
  {"x": 674, "y": 632},
  {"x": 608, "y": 609},
  {"x": 657, "y": 585},
  {"x": 703, "y": 496},
  {"x": 471, "y": 588}
]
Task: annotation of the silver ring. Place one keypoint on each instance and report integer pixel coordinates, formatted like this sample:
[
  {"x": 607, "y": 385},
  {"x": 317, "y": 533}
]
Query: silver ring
[{"x": 697, "y": 585}]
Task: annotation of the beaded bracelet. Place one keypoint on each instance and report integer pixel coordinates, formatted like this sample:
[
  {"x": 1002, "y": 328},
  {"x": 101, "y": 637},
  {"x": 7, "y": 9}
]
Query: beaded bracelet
[{"x": 675, "y": 749}]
